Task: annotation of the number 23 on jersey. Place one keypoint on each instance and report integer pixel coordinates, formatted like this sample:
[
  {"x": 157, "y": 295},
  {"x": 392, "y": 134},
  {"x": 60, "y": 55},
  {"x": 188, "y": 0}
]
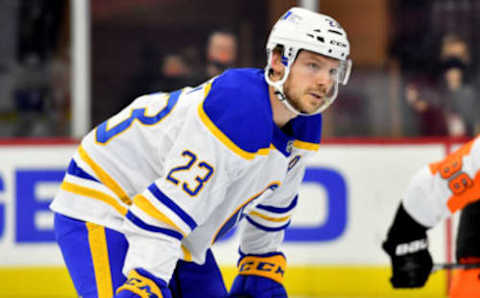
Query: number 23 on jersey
[{"x": 202, "y": 169}]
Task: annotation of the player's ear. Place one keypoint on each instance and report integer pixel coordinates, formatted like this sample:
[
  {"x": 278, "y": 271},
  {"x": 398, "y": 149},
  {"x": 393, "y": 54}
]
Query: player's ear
[{"x": 277, "y": 65}]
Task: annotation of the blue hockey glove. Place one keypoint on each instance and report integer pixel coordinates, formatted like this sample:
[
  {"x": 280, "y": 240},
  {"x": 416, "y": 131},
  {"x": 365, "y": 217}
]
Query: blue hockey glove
[
  {"x": 407, "y": 246},
  {"x": 141, "y": 284},
  {"x": 260, "y": 276}
]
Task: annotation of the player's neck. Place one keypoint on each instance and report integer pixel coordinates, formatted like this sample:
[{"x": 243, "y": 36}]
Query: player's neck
[{"x": 281, "y": 114}]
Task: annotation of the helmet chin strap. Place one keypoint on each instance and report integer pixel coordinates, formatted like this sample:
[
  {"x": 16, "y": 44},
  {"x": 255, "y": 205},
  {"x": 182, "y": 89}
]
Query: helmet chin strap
[{"x": 278, "y": 87}]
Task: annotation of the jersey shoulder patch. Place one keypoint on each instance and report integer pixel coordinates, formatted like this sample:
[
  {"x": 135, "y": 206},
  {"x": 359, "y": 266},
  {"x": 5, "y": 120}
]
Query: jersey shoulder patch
[{"x": 238, "y": 107}]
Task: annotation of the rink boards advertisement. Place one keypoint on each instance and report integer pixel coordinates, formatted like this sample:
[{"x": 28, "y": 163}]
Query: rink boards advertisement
[{"x": 350, "y": 192}]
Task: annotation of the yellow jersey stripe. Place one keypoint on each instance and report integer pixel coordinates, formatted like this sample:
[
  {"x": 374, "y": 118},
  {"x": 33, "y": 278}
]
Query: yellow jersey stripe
[
  {"x": 142, "y": 202},
  {"x": 95, "y": 194},
  {"x": 222, "y": 137},
  {"x": 101, "y": 263},
  {"x": 104, "y": 177},
  {"x": 187, "y": 256},
  {"x": 306, "y": 145},
  {"x": 225, "y": 140},
  {"x": 274, "y": 219},
  {"x": 207, "y": 89}
]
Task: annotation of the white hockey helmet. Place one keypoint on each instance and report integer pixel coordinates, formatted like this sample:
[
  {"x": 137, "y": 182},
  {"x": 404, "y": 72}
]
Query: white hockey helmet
[{"x": 302, "y": 29}]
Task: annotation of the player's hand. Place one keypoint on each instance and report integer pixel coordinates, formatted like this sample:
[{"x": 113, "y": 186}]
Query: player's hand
[
  {"x": 411, "y": 262},
  {"x": 407, "y": 246},
  {"x": 141, "y": 283},
  {"x": 260, "y": 276}
]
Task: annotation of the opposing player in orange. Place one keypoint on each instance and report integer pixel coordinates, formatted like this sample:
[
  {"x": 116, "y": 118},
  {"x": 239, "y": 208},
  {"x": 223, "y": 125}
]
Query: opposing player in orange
[{"x": 434, "y": 193}]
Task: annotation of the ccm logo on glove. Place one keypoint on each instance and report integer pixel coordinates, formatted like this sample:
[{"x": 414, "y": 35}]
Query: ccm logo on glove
[{"x": 270, "y": 267}]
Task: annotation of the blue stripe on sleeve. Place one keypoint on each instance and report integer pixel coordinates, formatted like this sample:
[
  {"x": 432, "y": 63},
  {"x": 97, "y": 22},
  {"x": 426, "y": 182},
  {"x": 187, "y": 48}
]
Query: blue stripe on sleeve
[
  {"x": 267, "y": 229},
  {"x": 143, "y": 225},
  {"x": 75, "y": 170},
  {"x": 171, "y": 204},
  {"x": 274, "y": 209}
]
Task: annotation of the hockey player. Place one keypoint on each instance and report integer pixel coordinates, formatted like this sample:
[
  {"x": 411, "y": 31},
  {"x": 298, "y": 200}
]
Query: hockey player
[
  {"x": 152, "y": 188},
  {"x": 436, "y": 192}
]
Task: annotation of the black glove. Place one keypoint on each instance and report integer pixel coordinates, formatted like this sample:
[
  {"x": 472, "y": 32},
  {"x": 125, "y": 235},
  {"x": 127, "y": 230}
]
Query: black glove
[{"x": 407, "y": 246}]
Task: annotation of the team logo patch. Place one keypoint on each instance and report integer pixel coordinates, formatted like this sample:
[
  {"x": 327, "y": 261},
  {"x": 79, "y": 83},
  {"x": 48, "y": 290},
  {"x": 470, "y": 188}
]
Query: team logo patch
[{"x": 290, "y": 146}]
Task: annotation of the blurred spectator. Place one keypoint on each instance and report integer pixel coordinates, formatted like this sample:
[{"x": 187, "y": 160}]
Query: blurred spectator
[
  {"x": 426, "y": 105},
  {"x": 175, "y": 73},
  {"x": 169, "y": 73},
  {"x": 178, "y": 70},
  {"x": 445, "y": 105},
  {"x": 221, "y": 52},
  {"x": 458, "y": 94}
]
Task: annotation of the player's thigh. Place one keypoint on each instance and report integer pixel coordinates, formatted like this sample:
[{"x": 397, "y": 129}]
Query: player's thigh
[
  {"x": 191, "y": 280},
  {"x": 94, "y": 256}
]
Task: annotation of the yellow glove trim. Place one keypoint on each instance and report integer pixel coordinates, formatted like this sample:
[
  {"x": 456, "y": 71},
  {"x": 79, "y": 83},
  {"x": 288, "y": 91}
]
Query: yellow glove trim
[
  {"x": 270, "y": 267},
  {"x": 140, "y": 285}
]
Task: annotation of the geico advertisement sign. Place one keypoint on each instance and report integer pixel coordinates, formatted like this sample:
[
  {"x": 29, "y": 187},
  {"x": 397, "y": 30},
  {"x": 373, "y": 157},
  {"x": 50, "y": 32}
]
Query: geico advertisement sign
[{"x": 346, "y": 201}]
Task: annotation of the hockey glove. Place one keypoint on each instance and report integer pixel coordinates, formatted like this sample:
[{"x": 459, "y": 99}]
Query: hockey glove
[
  {"x": 140, "y": 284},
  {"x": 407, "y": 246},
  {"x": 260, "y": 276}
]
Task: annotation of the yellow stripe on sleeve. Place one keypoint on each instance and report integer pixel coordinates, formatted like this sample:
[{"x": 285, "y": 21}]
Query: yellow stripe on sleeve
[
  {"x": 101, "y": 263},
  {"x": 187, "y": 256},
  {"x": 95, "y": 194},
  {"x": 207, "y": 89},
  {"x": 274, "y": 219},
  {"x": 225, "y": 140},
  {"x": 104, "y": 177},
  {"x": 306, "y": 145},
  {"x": 142, "y": 202},
  {"x": 221, "y": 136}
]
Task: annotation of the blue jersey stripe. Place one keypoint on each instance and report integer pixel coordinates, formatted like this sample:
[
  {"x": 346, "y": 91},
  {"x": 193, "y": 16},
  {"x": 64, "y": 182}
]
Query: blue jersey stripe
[
  {"x": 143, "y": 225},
  {"x": 172, "y": 206},
  {"x": 267, "y": 229},
  {"x": 75, "y": 170},
  {"x": 274, "y": 209}
]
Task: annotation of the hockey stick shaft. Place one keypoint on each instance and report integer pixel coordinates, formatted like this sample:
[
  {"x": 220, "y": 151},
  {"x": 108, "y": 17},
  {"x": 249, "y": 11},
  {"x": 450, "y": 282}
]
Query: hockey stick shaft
[{"x": 449, "y": 266}]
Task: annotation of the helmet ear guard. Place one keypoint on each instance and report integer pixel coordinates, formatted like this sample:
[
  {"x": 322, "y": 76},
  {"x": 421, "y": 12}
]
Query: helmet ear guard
[{"x": 301, "y": 29}]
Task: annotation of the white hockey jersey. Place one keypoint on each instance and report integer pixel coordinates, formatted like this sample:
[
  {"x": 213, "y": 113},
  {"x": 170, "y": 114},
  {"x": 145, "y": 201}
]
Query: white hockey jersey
[
  {"x": 175, "y": 172},
  {"x": 441, "y": 188}
]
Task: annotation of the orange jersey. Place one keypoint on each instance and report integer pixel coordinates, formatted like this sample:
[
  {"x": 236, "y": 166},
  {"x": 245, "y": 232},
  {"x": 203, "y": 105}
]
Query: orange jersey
[{"x": 443, "y": 187}]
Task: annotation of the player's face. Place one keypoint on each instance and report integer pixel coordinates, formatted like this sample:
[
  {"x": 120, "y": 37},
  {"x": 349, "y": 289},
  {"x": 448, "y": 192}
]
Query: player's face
[{"x": 311, "y": 78}]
